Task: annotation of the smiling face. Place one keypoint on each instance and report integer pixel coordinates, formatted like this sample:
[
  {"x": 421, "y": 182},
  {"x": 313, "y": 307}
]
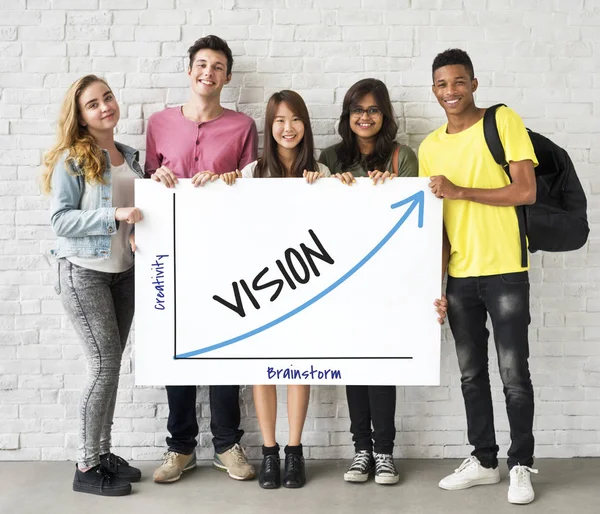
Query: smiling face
[
  {"x": 98, "y": 108},
  {"x": 288, "y": 128},
  {"x": 454, "y": 88},
  {"x": 366, "y": 118},
  {"x": 208, "y": 73}
]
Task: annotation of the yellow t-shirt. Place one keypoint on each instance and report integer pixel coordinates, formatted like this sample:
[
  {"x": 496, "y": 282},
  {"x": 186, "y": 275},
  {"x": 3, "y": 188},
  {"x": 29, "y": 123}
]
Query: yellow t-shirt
[{"x": 484, "y": 240}]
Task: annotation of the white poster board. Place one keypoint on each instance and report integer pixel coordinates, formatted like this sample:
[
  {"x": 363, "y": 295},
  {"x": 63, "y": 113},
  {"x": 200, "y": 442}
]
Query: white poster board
[{"x": 280, "y": 281}]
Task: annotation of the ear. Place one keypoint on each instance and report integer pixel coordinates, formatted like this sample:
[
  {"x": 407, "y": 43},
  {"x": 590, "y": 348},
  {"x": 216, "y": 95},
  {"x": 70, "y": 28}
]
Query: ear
[
  {"x": 228, "y": 79},
  {"x": 474, "y": 85},
  {"x": 189, "y": 70},
  {"x": 433, "y": 89}
]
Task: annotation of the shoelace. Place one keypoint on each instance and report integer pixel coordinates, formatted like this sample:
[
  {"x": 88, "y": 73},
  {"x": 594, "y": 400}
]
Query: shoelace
[
  {"x": 292, "y": 461},
  {"x": 271, "y": 463},
  {"x": 522, "y": 476},
  {"x": 105, "y": 476},
  {"x": 466, "y": 463},
  {"x": 384, "y": 463},
  {"x": 361, "y": 462},
  {"x": 114, "y": 461},
  {"x": 169, "y": 457},
  {"x": 238, "y": 453}
]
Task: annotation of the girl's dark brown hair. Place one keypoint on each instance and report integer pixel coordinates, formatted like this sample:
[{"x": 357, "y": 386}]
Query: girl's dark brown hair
[
  {"x": 270, "y": 165},
  {"x": 348, "y": 153}
]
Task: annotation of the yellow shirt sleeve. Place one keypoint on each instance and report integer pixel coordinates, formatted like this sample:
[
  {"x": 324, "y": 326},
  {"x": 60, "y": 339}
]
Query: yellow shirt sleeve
[
  {"x": 514, "y": 136},
  {"x": 424, "y": 170}
]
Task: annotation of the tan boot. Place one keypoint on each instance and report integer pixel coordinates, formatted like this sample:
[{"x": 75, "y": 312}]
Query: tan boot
[
  {"x": 174, "y": 464},
  {"x": 235, "y": 463}
]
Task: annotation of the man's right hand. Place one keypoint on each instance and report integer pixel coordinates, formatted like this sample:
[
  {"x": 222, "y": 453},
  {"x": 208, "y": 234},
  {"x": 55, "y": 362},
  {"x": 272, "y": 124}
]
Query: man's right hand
[{"x": 165, "y": 175}]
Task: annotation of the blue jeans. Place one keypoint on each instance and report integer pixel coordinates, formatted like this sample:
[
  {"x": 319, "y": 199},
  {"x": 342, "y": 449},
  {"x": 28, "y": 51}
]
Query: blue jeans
[
  {"x": 506, "y": 299},
  {"x": 100, "y": 306}
]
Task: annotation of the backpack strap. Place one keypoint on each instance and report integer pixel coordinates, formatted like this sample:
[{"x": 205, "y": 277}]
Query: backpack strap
[
  {"x": 494, "y": 144},
  {"x": 395, "y": 159}
]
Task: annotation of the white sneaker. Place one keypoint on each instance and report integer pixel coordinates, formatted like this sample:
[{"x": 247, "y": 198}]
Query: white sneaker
[
  {"x": 520, "y": 490},
  {"x": 468, "y": 474}
]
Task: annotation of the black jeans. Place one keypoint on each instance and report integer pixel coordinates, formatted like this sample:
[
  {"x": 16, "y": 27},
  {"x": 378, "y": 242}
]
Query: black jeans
[
  {"x": 376, "y": 404},
  {"x": 183, "y": 424},
  {"x": 506, "y": 299}
]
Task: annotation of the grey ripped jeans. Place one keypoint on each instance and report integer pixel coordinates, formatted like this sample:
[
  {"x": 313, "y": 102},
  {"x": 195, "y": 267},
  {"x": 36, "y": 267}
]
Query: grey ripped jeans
[{"x": 100, "y": 306}]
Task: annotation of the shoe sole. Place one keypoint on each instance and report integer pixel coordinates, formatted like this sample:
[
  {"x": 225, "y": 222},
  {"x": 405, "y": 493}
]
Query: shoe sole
[
  {"x": 354, "y": 478},
  {"x": 520, "y": 502},
  {"x": 387, "y": 480},
  {"x": 481, "y": 481},
  {"x": 83, "y": 488},
  {"x": 174, "y": 479},
  {"x": 295, "y": 486},
  {"x": 269, "y": 486},
  {"x": 224, "y": 469}
]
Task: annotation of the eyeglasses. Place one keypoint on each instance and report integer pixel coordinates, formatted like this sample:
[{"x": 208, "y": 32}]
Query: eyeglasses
[{"x": 372, "y": 112}]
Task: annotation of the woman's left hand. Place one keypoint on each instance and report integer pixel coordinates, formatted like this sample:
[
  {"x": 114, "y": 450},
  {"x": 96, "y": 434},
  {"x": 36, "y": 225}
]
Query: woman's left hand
[
  {"x": 377, "y": 175},
  {"x": 441, "y": 306},
  {"x": 312, "y": 176}
]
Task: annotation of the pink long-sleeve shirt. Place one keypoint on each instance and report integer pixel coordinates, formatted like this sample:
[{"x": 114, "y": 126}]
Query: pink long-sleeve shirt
[{"x": 186, "y": 147}]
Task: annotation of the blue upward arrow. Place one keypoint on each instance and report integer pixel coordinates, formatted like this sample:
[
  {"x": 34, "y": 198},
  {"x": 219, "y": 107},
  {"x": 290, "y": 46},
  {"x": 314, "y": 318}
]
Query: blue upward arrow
[{"x": 418, "y": 199}]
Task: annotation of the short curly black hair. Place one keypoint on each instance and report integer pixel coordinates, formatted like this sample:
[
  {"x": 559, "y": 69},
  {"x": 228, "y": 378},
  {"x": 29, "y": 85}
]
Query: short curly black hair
[
  {"x": 453, "y": 56},
  {"x": 212, "y": 43}
]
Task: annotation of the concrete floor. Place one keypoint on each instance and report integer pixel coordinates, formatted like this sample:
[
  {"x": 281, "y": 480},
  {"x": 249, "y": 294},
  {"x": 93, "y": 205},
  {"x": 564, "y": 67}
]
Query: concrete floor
[{"x": 565, "y": 486}]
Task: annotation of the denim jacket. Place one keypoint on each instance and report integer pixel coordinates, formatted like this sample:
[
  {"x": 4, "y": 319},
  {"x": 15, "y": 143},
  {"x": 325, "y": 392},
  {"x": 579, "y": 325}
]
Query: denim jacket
[{"x": 85, "y": 233}]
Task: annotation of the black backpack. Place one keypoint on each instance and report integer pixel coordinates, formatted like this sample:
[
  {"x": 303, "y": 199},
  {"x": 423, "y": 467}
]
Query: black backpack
[{"x": 557, "y": 221}]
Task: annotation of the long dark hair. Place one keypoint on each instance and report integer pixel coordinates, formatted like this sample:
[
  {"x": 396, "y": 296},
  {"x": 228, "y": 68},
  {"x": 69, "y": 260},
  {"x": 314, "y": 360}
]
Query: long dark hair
[
  {"x": 270, "y": 165},
  {"x": 348, "y": 152}
]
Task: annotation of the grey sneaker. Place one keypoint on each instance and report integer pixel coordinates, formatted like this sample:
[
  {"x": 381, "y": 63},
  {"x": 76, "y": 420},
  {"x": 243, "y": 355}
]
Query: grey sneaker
[
  {"x": 385, "y": 469},
  {"x": 235, "y": 463},
  {"x": 361, "y": 467},
  {"x": 173, "y": 466}
]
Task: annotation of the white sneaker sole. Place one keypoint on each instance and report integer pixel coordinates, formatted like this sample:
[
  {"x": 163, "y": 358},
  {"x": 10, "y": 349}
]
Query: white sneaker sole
[
  {"x": 225, "y": 469},
  {"x": 520, "y": 501},
  {"x": 472, "y": 483},
  {"x": 356, "y": 478},
  {"x": 387, "y": 480}
]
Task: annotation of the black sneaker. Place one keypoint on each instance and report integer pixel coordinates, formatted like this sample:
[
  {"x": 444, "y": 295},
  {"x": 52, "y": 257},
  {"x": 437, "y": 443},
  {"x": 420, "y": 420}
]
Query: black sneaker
[
  {"x": 385, "y": 469},
  {"x": 120, "y": 467},
  {"x": 294, "y": 475},
  {"x": 361, "y": 468},
  {"x": 269, "y": 476},
  {"x": 99, "y": 481}
]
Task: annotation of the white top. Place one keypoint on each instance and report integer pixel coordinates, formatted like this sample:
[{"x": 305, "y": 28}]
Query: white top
[
  {"x": 248, "y": 171},
  {"x": 121, "y": 256}
]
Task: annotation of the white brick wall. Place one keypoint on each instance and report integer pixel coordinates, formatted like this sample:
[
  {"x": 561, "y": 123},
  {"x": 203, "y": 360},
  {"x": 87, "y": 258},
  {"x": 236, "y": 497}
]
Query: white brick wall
[{"x": 540, "y": 56}]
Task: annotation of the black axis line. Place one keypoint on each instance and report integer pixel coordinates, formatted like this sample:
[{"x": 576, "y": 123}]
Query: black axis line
[
  {"x": 174, "y": 284},
  {"x": 287, "y": 358}
]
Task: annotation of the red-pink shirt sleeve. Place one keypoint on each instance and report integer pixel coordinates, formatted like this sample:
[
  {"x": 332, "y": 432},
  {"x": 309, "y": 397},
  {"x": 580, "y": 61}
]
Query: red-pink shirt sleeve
[
  {"x": 250, "y": 147},
  {"x": 152, "y": 157}
]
